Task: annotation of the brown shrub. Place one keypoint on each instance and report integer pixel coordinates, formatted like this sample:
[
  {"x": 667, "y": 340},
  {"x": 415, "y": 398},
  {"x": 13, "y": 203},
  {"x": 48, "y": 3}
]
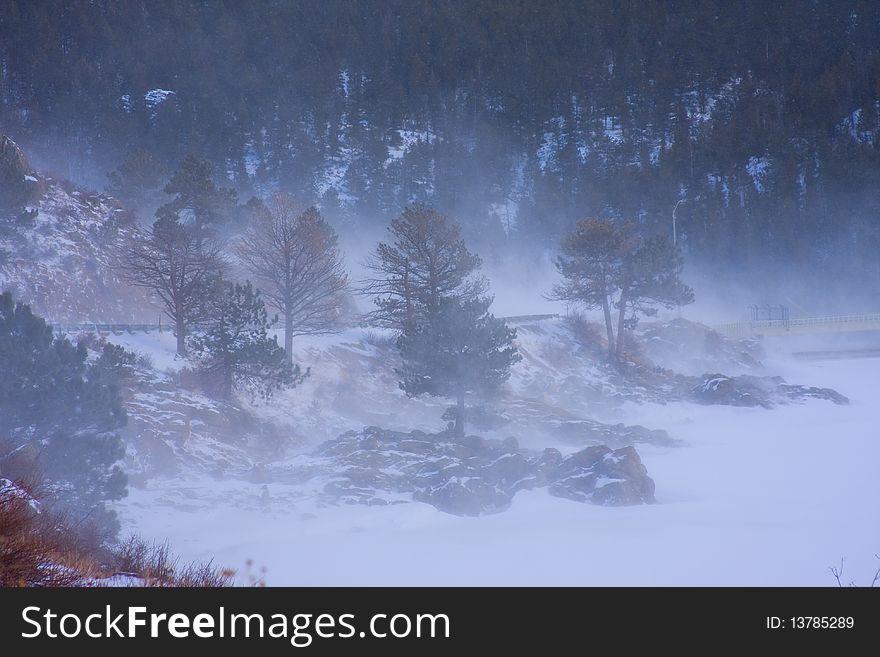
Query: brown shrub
[{"x": 39, "y": 548}]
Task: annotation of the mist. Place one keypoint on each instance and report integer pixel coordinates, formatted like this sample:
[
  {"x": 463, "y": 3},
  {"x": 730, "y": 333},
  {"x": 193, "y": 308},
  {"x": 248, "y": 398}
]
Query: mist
[{"x": 441, "y": 294}]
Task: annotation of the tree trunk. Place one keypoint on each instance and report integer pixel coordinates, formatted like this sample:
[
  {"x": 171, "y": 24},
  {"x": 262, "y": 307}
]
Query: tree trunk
[
  {"x": 288, "y": 337},
  {"x": 459, "y": 416},
  {"x": 621, "y": 318},
  {"x": 608, "y": 326},
  {"x": 180, "y": 330},
  {"x": 227, "y": 381}
]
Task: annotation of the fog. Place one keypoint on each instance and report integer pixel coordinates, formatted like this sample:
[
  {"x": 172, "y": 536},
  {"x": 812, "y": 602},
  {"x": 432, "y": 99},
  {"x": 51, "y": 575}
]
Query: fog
[{"x": 432, "y": 294}]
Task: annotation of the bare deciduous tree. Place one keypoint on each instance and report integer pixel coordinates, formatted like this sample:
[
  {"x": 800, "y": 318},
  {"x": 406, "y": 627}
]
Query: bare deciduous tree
[
  {"x": 295, "y": 259},
  {"x": 177, "y": 265}
]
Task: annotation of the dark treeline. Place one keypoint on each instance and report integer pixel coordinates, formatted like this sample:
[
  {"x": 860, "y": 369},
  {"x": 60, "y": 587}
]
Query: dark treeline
[{"x": 757, "y": 120}]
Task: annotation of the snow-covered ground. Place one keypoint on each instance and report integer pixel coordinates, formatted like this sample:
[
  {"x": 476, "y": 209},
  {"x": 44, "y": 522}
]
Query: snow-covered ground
[{"x": 755, "y": 497}]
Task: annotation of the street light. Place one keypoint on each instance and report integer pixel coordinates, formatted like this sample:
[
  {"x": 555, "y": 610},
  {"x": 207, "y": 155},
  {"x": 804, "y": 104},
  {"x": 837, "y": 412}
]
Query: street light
[{"x": 674, "y": 210}]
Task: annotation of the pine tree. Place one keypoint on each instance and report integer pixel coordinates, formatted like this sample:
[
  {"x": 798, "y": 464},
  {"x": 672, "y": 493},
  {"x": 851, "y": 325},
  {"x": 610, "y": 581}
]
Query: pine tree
[
  {"x": 198, "y": 199},
  {"x": 651, "y": 278},
  {"x": 606, "y": 264},
  {"x": 67, "y": 410},
  {"x": 233, "y": 346},
  {"x": 138, "y": 179},
  {"x": 425, "y": 261},
  {"x": 591, "y": 263},
  {"x": 464, "y": 350}
]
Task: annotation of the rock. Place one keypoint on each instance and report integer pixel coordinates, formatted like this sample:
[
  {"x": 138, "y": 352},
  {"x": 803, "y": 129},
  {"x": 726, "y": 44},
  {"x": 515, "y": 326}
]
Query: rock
[
  {"x": 18, "y": 185},
  {"x": 465, "y": 497},
  {"x": 468, "y": 476},
  {"x": 748, "y": 390},
  {"x": 584, "y": 432},
  {"x": 602, "y": 476},
  {"x": 20, "y": 463},
  {"x": 511, "y": 472},
  {"x": 693, "y": 348}
]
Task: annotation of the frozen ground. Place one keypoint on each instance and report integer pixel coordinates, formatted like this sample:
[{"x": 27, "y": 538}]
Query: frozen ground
[{"x": 756, "y": 497}]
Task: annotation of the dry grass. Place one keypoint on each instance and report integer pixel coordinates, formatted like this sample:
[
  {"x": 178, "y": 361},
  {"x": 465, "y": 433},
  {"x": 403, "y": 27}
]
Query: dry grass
[
  {"x": 38, "y": 548},
  {"x": 155, "y": 565},
  {"x": 590, "y": 335},
  {"x": 35, "y": 550}
]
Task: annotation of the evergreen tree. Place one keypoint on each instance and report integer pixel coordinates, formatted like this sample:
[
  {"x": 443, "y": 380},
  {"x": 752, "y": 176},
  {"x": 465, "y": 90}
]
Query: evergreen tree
[
  {"x": 198, "y": 199},
  {"x": 591, "y": 262},
  {"x": 464, "y": 350},
  {"x": 606, "y": 264},
  {"x": 425, "y": 261},
  {"x": 234, "y": 348},
  {"x": 68, "y": 411},
  {"x": 658, "y": 101},
  {"x": 137, "y": 180}
]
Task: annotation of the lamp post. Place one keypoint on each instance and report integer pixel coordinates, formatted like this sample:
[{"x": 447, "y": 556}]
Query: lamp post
[{"x": 674, "y": 210}]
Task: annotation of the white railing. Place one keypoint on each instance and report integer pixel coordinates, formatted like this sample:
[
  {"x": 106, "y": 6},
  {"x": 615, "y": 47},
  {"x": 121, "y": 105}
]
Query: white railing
[
  {"x": 110, "y": 328},
  {"x": 869, "y": 321}
]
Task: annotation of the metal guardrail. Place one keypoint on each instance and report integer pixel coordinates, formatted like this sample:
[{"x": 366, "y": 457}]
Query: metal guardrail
[
  {"x": 520, "y": 319},
  {"x": 798, "y": 325},
  {"x": 111, "y": 328},
  {"x": 801, "y": 325}
]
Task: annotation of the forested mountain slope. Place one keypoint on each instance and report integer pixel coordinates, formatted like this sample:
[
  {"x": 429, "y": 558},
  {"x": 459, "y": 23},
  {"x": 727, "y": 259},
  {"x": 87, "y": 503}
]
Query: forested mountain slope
[{"x": 758, "y": 121}]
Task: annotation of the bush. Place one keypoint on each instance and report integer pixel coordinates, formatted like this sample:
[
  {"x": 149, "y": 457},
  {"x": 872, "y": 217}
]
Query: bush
[
  {"x": 156, "y": 566},
  {"x": 65, "y": 411},
  {"x": 38, "y": 548},
  {"x": 590, "y": 335},
  {"x": 34, "y": 549}
]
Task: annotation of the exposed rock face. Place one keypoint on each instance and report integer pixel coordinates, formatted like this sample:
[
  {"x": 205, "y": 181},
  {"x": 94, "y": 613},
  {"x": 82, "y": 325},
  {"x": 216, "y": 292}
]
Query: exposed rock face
[
  {"x": 169, "y": 427},
  {"x": 471, "y": 476},
  {"x": 20, "y": 463},
  {"x": 18, "y": 186},
  {"x": 59, "y": 247}
]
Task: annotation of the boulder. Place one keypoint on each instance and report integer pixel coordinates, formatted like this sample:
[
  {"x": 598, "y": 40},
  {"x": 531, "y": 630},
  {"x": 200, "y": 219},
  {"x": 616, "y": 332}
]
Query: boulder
[
  {"x": 604, "y": 476},
  {"x": 469, "y": 476}
]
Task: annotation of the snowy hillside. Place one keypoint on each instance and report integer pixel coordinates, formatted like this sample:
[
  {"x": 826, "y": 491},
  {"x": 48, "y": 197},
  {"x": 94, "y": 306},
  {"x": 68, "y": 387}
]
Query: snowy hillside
[
  {"x": 58, "y": 255},
  {"x": 726, "y": 478},
  {"x": 561, "y": 391}
]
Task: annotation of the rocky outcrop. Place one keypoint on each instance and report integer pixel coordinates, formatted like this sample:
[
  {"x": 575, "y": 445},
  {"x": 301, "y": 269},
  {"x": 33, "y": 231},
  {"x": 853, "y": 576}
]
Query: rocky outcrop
[
  {"x": 171, "y": 427},
  {"x": 693, "y": 348},
  {"x": 591, "y": 432},
  {"x": 746, "y": 390},
  {"x": 59, "y": 247},
  {"x": 470, "y": 476},
  {"x": 18, "y": 185}
]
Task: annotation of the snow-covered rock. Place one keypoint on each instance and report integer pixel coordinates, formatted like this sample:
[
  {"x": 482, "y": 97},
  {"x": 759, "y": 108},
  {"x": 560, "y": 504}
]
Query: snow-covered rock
[
  {"x": 60, "y": 258},
  {"x": 693, "y": 348},
  {"x": 469, "y": 475},
  {"x": 747, "y": 390}
]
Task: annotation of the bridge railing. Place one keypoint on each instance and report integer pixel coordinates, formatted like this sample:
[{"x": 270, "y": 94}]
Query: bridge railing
[
  {"x": 743, "y": 329},
  {"x": 111, "y": 328}
]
